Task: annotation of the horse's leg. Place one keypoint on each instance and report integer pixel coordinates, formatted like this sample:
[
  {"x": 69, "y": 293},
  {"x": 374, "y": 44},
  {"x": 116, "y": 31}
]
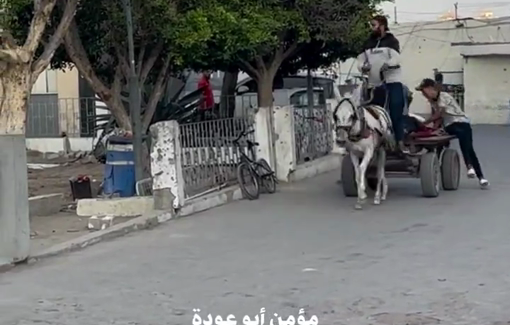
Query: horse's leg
[
  {"x": 381, "y": 162},
  {"x": 355, "y": 164},
  {"x": 384, "y": 180},
  {"x": 367, "y": 157}
]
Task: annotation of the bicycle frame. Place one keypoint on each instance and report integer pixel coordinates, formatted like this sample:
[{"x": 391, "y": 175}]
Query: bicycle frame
[
  {"x": 252, "y": 161},
  {"x": 244, "y": 156}
]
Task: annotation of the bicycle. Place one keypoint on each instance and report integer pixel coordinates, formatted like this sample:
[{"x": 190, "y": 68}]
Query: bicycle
[{"x": 257, "y": 171}]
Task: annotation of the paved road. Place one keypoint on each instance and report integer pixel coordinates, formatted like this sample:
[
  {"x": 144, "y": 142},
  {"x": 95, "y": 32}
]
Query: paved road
[{"x": 444, "y": 259}]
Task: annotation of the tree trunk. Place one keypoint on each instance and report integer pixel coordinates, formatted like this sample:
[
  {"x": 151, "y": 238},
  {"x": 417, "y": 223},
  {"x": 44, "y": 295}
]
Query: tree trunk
[
  {"x": 265, "y": 89},
  {"x": 118, "y": 110},
  {"x": 14, "y": 215},
  {"x": 14, "y": 83},
  {"x": 109, "y": 95},
  {"x": 228, "y": 97}
]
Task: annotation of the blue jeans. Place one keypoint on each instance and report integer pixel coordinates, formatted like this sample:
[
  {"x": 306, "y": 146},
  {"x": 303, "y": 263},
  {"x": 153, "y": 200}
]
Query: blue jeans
[{"x": 394, "y": 93}]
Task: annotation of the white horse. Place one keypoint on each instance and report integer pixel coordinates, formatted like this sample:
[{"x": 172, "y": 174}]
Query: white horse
[{"x": 364, "y": 130}]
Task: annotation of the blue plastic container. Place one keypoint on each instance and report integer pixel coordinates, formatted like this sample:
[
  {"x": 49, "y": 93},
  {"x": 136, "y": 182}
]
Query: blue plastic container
[{"x": 119, "y": 171}]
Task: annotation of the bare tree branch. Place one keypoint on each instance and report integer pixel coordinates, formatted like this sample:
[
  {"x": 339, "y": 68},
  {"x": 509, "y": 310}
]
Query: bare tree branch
[
  {"x": 117, "y": 81},
  {"x": 291, "y": 50},
  {"x": 151, "y": 60},
  {"x": 15, "y": 56},
  {"x": 249, "y": 69},
  {"x": 42, "y": 12},
  {"x": 10, "y": 51},
  {"x": 141, "y": 56},
  {"x": 123, "y": 62},
  {"x": 56, "y": 39},
  {"x": 260, "y": 63},
  {"x": 156, "y": 94},
  {"x": 78, "y": 55}
]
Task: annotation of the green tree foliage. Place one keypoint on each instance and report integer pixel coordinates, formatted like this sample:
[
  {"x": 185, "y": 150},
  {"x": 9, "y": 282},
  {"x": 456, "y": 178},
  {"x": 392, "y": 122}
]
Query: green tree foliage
[
  {"x": 96, "y": 44},
  {"x": 263, "y": 37}
]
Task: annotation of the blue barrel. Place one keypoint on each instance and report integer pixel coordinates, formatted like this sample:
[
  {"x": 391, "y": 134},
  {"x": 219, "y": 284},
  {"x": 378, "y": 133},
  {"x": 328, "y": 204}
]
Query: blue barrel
[{"x": 119, "y": 171}]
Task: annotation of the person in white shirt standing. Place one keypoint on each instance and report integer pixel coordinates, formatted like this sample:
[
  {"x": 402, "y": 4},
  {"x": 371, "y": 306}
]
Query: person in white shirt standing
[
  {"x": 380, "y": 61},
  {"x": 445, "y": 109}
]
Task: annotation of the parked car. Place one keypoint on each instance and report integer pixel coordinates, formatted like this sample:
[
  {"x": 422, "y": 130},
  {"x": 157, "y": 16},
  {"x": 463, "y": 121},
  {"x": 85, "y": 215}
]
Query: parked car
[{"x": 286, "y": 91}]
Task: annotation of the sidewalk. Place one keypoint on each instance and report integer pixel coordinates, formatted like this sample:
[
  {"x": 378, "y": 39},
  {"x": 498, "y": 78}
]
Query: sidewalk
[
  {"x": 50, "y": 176},
  {"x": 51, "y": 230}
]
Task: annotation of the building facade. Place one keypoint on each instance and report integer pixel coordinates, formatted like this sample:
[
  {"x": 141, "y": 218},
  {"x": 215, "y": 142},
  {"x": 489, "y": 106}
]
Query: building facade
[
  {"x": 54, "y": 106},
  {"x": 473, "y": 53}
]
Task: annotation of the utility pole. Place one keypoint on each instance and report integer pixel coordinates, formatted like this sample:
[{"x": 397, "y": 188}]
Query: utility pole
[
  {"x": 395, "y": 15},
  {"x": 134, "y": 95},
  {"x": 456, "y": 10}
]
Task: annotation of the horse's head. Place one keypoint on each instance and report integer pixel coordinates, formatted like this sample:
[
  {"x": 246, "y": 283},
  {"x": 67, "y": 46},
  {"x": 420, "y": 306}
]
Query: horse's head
[{"x": 345, "y": 117}]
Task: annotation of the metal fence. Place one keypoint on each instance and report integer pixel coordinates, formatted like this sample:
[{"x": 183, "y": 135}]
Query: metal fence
[
  {"x": 49, "y": 116},
  {"x": 312, "y": 133},
  {"x": 209, "y": 158}
]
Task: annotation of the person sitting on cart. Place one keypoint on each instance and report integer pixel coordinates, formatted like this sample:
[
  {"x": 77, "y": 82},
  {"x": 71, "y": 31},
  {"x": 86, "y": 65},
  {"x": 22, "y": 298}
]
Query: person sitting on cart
[
  {"x": 445, "y": 109},
  {"x": 380, "y": 60}
]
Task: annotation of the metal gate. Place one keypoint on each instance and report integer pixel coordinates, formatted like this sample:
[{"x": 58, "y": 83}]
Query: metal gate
[
  {"x": 312, "y": 127},
  {"x": 42, "y": 116}
]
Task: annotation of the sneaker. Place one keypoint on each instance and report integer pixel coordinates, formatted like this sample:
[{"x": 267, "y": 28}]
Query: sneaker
[
  {"x": 403, "y": 149},
  {"x": 484, "y": 183},
  {"x": 471, "y": 173}
]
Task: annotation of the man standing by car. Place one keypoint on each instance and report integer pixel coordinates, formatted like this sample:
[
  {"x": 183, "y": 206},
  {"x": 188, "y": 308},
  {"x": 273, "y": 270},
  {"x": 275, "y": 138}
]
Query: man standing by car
[
  {"x": 380, "y": 60},
  {"x": 207, "y": 101}
]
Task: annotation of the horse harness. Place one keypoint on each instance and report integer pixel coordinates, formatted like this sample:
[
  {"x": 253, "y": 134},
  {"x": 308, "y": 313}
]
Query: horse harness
[{"x": 365, "y": 130}]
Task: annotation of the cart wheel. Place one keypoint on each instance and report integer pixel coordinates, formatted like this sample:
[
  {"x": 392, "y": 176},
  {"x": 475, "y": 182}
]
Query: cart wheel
[
  {"x": 430, "y": 174},
  {"x": 450, "y": 170},
  {"x": 349, "y": 178},
  {"x": 372, "y": 183}
]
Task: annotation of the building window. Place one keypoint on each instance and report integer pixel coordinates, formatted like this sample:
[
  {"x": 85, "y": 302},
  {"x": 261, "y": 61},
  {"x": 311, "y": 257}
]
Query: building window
[{"x": 46, "y": 83}]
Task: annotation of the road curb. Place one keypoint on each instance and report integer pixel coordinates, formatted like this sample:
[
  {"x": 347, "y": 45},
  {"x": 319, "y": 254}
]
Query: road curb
[{"x": 147, "y": 221}]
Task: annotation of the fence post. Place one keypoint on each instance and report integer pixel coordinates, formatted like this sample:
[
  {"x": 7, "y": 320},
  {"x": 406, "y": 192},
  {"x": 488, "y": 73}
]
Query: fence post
[
  {"x": 285, "y": 145},
  {"x": 264, "y": 135},
  {"x": 166, "y": 166}
]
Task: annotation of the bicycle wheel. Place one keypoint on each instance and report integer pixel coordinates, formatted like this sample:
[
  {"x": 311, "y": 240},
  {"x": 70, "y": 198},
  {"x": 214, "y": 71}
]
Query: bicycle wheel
[
  {"x": 248, "y": 181},
  {"x": 266, "y": 176}
]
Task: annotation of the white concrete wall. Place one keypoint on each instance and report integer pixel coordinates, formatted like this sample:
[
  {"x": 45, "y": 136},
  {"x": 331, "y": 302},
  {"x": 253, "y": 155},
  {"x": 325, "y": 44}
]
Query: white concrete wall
[
  {"x": 487, "y": 82},
  {"x": 285, "y": 144},
  {"x": 57, "y": 144},
  {"x": 166, "y": 165},
  {"x": 427, "y": 45}
]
